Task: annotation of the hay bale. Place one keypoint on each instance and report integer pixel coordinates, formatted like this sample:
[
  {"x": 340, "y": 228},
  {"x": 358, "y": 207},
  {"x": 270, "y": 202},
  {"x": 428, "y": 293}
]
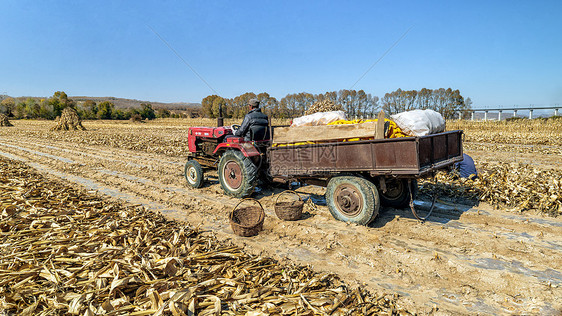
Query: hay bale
[
  {"x": 69, "y": 120},
  {"x": 323, "y": 106},
  {"x": 4, "y": 120}
]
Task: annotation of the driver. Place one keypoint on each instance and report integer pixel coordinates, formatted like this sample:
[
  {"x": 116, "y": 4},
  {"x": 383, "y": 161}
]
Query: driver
[{"x": 254, "y": 125}]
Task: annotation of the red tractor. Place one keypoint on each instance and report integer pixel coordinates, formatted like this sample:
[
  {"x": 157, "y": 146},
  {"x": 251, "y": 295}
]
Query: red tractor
[{"x": 239, "y": 162}]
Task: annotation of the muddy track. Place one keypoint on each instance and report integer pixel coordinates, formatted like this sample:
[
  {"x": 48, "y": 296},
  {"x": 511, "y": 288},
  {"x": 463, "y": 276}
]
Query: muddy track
[{"x": 465, "y": 259}]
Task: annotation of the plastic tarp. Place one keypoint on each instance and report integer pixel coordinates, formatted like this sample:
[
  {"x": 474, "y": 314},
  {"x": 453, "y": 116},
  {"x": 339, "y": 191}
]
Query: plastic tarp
[
  {"x": 419, "y": 122},
  {"x": 319, "y": 118}
]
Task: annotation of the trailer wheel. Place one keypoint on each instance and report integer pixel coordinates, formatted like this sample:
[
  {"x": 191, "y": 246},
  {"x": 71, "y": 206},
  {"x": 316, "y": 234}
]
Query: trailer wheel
[
  {"x": 352, "y": 199},
  {"x": 193, "y": 174},
  {"x": 397, "y": 194},
  {"x": 237, "y": 174}
]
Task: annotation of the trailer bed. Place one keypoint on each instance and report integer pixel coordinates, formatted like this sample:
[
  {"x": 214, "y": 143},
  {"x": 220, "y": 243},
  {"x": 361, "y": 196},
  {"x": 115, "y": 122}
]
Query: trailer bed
[{"x": 407, "y": 156}]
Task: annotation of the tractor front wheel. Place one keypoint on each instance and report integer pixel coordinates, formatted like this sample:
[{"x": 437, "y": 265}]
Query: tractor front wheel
[
  {"x": 194, "y": 174},
  {"x": 237, "y": 174}
]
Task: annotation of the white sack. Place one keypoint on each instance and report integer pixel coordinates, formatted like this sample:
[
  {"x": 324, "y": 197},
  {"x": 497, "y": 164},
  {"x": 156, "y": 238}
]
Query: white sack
[
  {"x": 419, "y": 122},
  {"x": 319, "y": 118}
]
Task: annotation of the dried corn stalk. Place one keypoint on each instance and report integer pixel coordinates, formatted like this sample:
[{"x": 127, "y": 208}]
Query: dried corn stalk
[
  {"x": 546, "y": 132},
  {"x": 4, "y": 120},
  {"x": 68, "y": 120},
  {"x": 519, "y": 186},
  {"x": 64, "y": 251}
]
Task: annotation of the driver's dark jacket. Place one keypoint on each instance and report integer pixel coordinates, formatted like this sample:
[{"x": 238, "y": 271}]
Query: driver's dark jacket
[{"x": 254, "y": 126}]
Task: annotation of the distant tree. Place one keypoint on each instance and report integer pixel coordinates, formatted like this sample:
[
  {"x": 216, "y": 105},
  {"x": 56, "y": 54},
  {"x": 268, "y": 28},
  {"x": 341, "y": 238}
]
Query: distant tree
[
  {"x": 59, "y": 101},
  {"x": 268, "y": 103},
  {"x": 105, "y": 110},
  {"x": 147, "y": 112},
  {"x": 296, "y": 104},
  {"x": 219, "y": 102},
  {"x": 90, "y": 109},
  {"x": 117, "y": 114},
  {"x": 238, "y": 107},
  {"x": 332, "y": 96},
  {"x": 46, "y": 110},
  {"x": 31, "y": 108},
  {"x": 19, "y": 110},
  {"x": 448, "y": 102},
  {"x": 132, "y": 112},
  {"x": 207, "y": 105},
  {"x": 467, "y": 106},
  {"x": 162, "y": 113},
  {"x": 355, "y": 103},
  {"x": 7, "y": 106}
]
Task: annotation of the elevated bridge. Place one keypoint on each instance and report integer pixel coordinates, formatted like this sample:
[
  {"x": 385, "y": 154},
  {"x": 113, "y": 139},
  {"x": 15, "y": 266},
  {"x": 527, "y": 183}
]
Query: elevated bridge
[{"x": 500, "y": 111}]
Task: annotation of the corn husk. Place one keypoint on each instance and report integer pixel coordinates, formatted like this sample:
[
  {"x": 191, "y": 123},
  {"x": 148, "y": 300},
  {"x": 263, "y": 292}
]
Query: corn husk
[
  {"x": 520, "y": 187},
  {"x": 65, "y": 251}
]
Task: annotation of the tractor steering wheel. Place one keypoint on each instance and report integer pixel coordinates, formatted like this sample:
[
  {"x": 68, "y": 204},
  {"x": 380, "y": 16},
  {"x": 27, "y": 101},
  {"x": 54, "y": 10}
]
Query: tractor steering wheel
[{"x": 234, "y": 127}]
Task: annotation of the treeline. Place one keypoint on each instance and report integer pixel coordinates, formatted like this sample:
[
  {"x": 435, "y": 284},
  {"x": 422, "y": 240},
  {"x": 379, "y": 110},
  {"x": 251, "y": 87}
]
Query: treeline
[
  {"x": 448, "y": 102},
  {"x": 52, "y": 107},
  {"x": 355, "y": 103}
]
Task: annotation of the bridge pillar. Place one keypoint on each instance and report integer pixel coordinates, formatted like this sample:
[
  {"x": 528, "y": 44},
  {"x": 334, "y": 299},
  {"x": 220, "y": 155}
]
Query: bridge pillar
[
  {"x": 530, "y": 114},
  {"x": 485, "y": 115},
  {"x": 514, "y": 113},
  {"x": 472, "y": 116},
  {"x": 499, "y": 115},
  {"x": 555, "y": 112}
]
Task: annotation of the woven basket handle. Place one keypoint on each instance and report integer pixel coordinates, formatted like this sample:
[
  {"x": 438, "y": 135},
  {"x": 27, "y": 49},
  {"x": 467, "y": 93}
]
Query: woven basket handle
[
  {"x": 287, "y": 191},
  {"x": 242, "y": 200}
]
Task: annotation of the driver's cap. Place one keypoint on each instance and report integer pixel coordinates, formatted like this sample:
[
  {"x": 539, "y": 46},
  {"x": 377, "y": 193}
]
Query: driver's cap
[{"x": 254, "y": 103}]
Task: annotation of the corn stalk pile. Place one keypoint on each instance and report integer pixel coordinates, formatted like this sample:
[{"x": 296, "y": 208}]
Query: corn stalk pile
[
  {"x": 66, "y": 251},
  {"x": 68, "y": 120},
  {"x": 519, "y": 186},
  {"x": 323, "y": 106},
  {"x": 4, "y": 120}
]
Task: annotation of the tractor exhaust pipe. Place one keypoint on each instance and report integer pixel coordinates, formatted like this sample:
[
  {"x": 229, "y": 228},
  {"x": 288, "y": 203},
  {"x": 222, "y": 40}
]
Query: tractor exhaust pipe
[{"x": 220, "y": 119}]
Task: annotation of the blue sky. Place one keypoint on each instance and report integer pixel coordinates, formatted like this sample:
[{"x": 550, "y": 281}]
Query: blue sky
[{"x": 498, "y": 53}]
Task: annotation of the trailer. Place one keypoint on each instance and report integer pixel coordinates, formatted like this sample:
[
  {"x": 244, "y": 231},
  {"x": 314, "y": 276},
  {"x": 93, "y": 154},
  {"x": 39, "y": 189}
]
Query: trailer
[{"x": 360, "y": 176}]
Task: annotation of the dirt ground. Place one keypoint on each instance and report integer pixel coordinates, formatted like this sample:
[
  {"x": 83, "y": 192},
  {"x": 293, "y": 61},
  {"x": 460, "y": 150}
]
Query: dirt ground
[{"x": 466, "y": 259}]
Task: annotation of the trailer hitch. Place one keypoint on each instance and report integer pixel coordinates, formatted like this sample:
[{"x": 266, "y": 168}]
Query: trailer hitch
[{"x": 413, "y": 209}]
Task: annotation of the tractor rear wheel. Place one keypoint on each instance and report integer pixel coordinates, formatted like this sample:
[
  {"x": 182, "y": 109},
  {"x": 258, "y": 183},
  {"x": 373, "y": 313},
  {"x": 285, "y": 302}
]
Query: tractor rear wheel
[
  {"x": 237, "y": 174},
  {"x": 352, "y": 199},
  {"x": 397, "y": 194},
  {"x": 193, "y": 174}
]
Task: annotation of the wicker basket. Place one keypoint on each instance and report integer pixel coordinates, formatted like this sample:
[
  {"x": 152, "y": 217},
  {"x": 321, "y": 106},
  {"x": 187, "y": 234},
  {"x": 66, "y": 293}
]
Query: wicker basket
[
  {"x": 289, "y": 211},
  {"x": 247, "y": 221}
]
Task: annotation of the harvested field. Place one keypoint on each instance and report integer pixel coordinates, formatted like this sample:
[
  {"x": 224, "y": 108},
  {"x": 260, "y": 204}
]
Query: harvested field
[
  {"x": 488, "y": 257},
  {"x": 520, "y": 132},
  {"x": 66, "y": 251}
]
